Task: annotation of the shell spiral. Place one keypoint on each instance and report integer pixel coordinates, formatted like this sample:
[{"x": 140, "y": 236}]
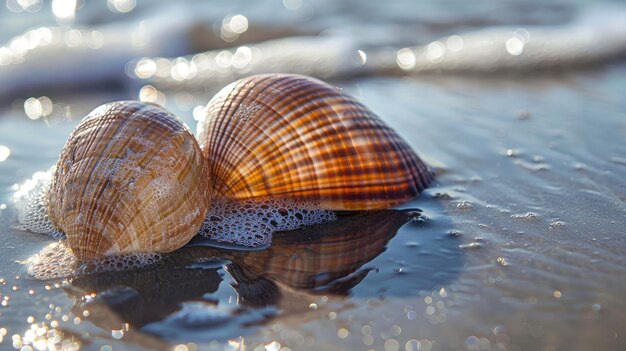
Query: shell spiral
[
  {"x": 295, "y": 137},
  {"x": 131, "y": 178}
]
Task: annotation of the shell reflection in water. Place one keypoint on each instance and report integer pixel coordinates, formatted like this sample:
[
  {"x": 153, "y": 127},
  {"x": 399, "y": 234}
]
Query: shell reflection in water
[
  {"x": 324, "y": 259},
  {"x": 295, "y": 137},
  {"x": 142, "y": 296}
]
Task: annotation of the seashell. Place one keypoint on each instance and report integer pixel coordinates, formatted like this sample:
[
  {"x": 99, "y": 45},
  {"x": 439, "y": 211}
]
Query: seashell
[
  {"x": 295, "y": 137},
  {"x": 131, "y": 178}
]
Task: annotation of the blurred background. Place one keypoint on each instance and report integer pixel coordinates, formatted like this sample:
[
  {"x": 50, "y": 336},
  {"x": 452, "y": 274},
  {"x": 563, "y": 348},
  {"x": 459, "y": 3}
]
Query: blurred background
[{"x": 153, "y": 50}]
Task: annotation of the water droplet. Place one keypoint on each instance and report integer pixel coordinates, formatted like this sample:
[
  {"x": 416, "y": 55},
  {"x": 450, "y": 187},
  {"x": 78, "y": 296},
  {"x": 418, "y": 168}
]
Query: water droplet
[
  {"x": 528, "y": 216},
  {"x": 5, "y": 152},
  {"x": 522, "y": 114},
  {"x": 499, "y": 330},
  {"x": 464, "y": 205},
  {"x": 557, "y": 224},
  {"x": 117, "y": 334},
  {"x": 342, "y": 333},
  {"x": 392, "y": 345},
  {"x": 454, "y": 233},
  {"x": 471, "y": 246},
  {"x": 512, "y": 153},
  {"x": 412, "y": 244}
]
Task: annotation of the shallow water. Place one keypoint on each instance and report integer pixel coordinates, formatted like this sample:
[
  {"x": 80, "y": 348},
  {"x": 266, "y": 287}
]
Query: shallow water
[{"x": 521, "y": 245}]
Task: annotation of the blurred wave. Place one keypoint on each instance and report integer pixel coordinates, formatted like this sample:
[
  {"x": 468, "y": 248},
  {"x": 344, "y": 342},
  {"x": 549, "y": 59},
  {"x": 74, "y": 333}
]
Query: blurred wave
[{"x": 166, "y": 47}]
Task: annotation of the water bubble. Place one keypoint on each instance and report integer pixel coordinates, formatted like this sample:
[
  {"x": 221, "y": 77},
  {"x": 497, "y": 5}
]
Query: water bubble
[
  {"x": 522, "y": 114},
  {"x": 258, "y": 220},
  {"x": 412, "y": 244},
  {"x": 145, "y": 68},
  {"x": 502, "y": 261},
  {"x": 442, "y": 195},
  {"x": 342, "y": 333},
  {"x": 5, "y": 152},
  {"x": 464, "y": 205},
  {"x": 538, "y": 159},
  {"x": 455, "y": 43},
  {"x": 392, "y": 345},
  {"x": 472, "y": 343},
  {"x": 64, "y": 9},
  {"x": 435, "y": 51},
  {"x": 527, "y": 216},
  {"x": 514, "y": 46},
  {"x": 292, "y": 4},
  {"x": 512, "y": 152},
  {"x": 121, "y": 6},
  {"x": 405, "y": 58},
  {"x": 33, "y": 108},
  {"x": 454, "y": 233},
  {"x": 359, "y": 58},
  {"x": 117, "y": 334},
  {"x": 498, "y": 330},
  {"x": 471, "y": 246},
  {"x": 557, "y": 224}
]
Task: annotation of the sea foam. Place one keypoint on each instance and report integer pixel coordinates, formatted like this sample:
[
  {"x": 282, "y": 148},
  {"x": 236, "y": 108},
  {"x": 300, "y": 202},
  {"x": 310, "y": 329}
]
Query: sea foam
[{"x": 244, "y": 223}]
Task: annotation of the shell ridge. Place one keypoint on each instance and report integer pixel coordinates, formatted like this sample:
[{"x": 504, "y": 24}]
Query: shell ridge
[
  {"x": 85, "y": 239},
  {"x": 213, "y": 124},
  {"x": 141, "y": 113},
  {"x": 287, "y": 113},
  {"x": 218, "y": 123},
  {"x": 266, "y": 142},
  {"x": 225, "y": 119}
]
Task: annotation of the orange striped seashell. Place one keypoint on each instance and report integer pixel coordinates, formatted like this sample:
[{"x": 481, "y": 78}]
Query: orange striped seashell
[
  {"x": 131, "y": 178},
  {"x": 295, "y": 137}
]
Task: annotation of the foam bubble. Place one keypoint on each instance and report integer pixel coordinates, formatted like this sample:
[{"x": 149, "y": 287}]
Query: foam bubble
[
  {"x": 251, "y": 223},
  {"x": 31, "y": 201},
  {"x": 57, "y": 261},
  {"x": 53, "y": 261},
  {"x": 245, "y": 223}
]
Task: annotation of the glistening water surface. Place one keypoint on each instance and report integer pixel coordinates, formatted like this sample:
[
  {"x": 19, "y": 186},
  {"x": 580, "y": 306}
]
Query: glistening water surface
[{"x": 521, "y": 245}]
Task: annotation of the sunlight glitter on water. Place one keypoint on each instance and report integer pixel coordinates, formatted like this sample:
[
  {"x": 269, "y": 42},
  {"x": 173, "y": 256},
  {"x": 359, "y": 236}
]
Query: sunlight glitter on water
[{"x": 5, "y": 152}]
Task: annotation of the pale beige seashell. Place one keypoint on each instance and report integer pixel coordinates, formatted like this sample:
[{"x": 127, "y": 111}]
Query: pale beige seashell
[
  {"x": 295, "y": 137},
  {"x": 131, "y": 178}
]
